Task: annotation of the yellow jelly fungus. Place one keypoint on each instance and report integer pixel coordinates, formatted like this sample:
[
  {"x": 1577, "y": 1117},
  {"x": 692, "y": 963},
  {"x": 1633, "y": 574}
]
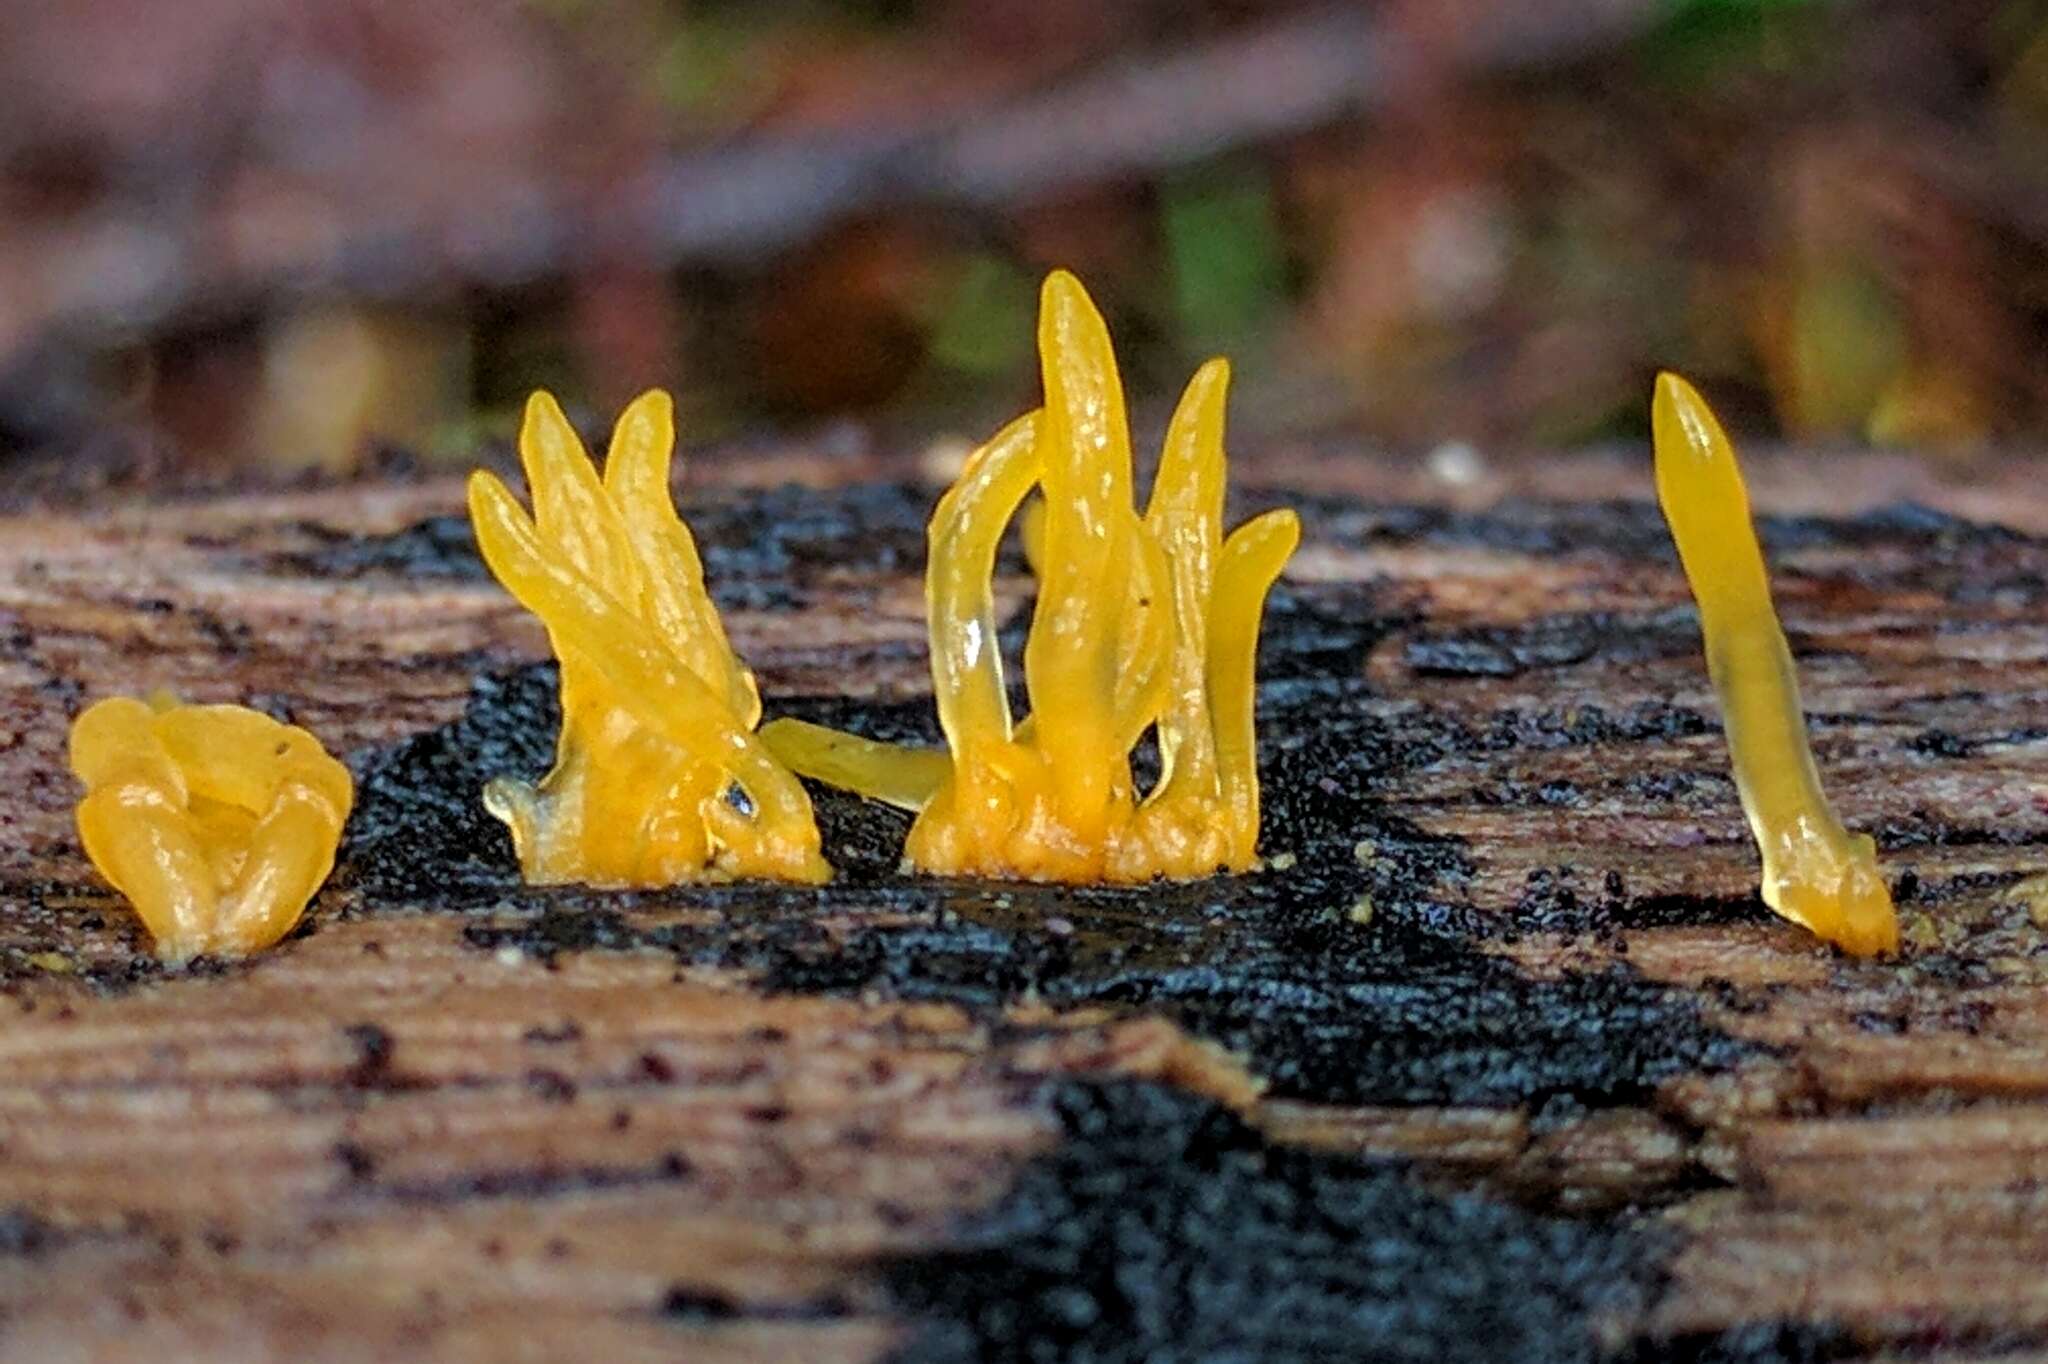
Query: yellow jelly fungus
[
  {"x": 659, "y": 778},
  {"x": 1815, "y": 872},
  {"x": 217, "y": 822},
  {"x": 1143, "y": 622}
]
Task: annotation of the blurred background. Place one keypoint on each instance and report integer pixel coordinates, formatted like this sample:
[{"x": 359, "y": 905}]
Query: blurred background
[{"x": 293, "y": 234}]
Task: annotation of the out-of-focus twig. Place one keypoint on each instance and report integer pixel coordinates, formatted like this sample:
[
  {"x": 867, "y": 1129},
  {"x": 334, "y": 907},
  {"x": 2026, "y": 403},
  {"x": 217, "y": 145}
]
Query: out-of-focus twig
[{"x": 737, "y": 202}]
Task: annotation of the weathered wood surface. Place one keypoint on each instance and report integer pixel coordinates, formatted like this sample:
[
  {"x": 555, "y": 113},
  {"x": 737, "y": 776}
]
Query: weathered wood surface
[{"x": 422, "y": 1131}]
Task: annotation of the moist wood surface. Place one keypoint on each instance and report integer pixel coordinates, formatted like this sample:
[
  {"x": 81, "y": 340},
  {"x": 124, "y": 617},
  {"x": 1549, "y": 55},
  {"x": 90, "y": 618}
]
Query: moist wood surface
[{"x": 473, "y": 1122}]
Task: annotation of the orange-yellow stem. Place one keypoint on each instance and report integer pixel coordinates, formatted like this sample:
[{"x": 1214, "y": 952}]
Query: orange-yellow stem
[{"x": 1815, "y": 872}]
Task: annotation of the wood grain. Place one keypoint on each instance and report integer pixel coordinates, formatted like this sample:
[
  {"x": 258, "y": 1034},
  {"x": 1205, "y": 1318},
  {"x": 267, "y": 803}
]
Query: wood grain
[{"x": 385, "y": 1142}]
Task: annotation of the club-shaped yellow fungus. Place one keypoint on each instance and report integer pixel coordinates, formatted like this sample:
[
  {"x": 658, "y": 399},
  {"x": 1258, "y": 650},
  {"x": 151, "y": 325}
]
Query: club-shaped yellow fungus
[
  {"x": 659, "y": 777},
  {"x": 1143, "y": 622},
  {"x": 217, "y": 822},
  {"x": 1815, "y": 872}
]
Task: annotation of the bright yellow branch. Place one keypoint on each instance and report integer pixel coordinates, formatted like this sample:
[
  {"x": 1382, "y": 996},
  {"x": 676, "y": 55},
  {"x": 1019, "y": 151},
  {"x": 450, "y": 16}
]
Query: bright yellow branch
[
  {"x": 1815, "y": 872},
  {"x": 1070, "y": 655},
  {"x": 1247, "y": 566},
  {"x": 1185, "y": 518},
  {"x": 967, "y": 666},
  {"x": 894, "y": 774}
]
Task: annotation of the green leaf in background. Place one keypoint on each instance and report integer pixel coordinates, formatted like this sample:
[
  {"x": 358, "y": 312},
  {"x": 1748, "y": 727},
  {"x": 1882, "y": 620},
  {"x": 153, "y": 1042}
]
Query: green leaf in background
[
  {"x": 712, "y": 71},
  {"x": 1737, "y": 8},
  {"x": 1848, "y": 344},
  {"x": 1224, "y": 251},
  {"x": 987, "y": 319},
  {"x": 1699, "y": 39}
]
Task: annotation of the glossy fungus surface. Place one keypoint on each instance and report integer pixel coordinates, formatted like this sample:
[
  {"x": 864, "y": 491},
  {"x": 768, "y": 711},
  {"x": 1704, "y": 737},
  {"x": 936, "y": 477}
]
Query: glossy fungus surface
[
  {"x": 217, "y": 822},
  {"x": 1815, "y": 872},
  {"x": 1145, "y": 621},
  {"x": 659, "y": 778}
]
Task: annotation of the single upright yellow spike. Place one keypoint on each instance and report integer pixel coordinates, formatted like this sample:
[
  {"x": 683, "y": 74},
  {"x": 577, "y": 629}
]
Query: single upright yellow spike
[
  {"x": 570, "y": 508},
  {"x": 1141, "y": 622},
  {"x": 967, "y": 666},
  {"x": 659, "y": 777},
  {"x": 636, "y": 480},
  {"x": 1185, "y": 517},
  {"x": 1815, "y": 872},
  {"x": 1246, "y": 568},
  {"x": 217, "y": 822},
  {"x": 1070, "y": 655}
]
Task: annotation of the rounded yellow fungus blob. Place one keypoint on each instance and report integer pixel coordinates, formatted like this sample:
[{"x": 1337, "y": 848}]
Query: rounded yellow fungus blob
[
  {"x": 1815, "y": 872},
  {"x": 1143, "y": 622},
  {"x": 659, "y": 778},
  {"x": 217, "y": 822}
]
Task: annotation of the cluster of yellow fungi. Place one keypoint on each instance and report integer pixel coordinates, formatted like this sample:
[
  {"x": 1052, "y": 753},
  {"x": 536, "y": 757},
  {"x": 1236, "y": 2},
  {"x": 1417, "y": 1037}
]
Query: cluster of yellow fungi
[
  {"x": 217, "y": 822},
  {"x": 1815, "y": 872},
  {"x": 1144, "y": 621},
  {"x": 220, "y": 823},
  {"x": 659, "y": 778}
]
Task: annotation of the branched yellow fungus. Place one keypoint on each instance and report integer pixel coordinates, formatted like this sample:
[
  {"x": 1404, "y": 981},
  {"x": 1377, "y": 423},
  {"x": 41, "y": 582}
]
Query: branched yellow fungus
[
  {"x": 1144, "y": 622},
  {"x": 659, "y": 777},
  {"x": 217, "y": 822},
  {"x": 1815, "y": 872}
]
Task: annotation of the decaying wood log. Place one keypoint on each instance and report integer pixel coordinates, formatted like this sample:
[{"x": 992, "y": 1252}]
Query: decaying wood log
[{"x": 1498, "y": 1058}]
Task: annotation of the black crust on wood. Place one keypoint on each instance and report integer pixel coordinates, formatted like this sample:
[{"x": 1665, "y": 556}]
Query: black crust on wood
[
  {"x": 1162, "y": 1228},
  {"x": 1406, "y": 1007}
]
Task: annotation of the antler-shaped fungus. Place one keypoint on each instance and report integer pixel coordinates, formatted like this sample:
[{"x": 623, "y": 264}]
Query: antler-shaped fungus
[
  {"x": 1142, "y": 622},
  {"x": 658, "y": 777}
]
